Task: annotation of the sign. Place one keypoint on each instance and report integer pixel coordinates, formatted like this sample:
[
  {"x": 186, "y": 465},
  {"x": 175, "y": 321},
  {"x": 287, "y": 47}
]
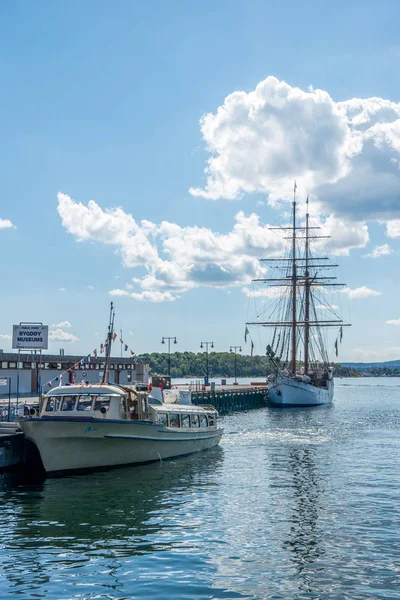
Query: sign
[
  {"x": 84, "y": 374},
  {"x": 4, "y": 381},
  {"x": 30, "y": 337}
]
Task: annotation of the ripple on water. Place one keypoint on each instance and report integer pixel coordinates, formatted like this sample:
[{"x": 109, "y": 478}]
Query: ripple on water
[{"x": 293, "y": 504}]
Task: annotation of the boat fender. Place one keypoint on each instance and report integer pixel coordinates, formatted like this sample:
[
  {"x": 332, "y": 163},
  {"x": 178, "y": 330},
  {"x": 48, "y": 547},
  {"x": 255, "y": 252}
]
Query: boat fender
[{"x": 103, "y": 410}]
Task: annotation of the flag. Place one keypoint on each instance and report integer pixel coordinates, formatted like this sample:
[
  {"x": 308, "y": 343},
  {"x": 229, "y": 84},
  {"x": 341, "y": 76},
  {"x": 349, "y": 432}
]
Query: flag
[
  {"x": 101, "y": 348},
  {"x": 246, "y": 333},
  {"x": 95, "y": 353},
  {"x": 61, "y": 379},
  {"x": 82, "y": 361},
  {"x": 336, "y": 348},
  {"x": 49, "y": 383},
  {"x": 126, "y": 347},
  {"x": 114, "y": 337},
  {"x": 252, "y": 348},
  {"x": 132, "y": 352}
]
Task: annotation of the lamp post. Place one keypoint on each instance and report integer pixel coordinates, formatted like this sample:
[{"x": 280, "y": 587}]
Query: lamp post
[
  {"x": 173, "y": 338},
  {"x": 235, "y": 349},
  {"x": 206, "y": 345}
]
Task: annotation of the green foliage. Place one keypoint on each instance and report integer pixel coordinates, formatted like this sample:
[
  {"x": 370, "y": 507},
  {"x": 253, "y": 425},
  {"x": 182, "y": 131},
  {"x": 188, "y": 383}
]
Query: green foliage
[{"x": 221, "y": 364}]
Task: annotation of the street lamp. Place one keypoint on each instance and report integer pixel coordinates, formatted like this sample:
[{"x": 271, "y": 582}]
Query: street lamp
[
  {"x": 169, "y": 350},
  {"x": 206, "y": 345},
  {"x": 235, "y": 349}
]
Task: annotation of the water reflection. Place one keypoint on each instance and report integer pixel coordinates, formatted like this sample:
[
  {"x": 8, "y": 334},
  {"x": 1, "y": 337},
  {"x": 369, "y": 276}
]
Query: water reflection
[
  {"x": 300, "y": 467},
  {"x": 113, "y": 515},
  {"x": 304, "y": 537}
]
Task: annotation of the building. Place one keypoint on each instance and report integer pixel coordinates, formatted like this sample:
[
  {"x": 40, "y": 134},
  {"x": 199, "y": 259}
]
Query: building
[{"x": 38, "y": 373}]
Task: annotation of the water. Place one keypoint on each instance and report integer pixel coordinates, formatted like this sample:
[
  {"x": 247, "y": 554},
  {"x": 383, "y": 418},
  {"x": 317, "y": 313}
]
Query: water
[{"x": 295, "y": 503}]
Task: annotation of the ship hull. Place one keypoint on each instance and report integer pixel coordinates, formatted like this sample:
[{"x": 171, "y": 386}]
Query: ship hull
[
  {"x": 81, "y": 445},
  {"x": 290, "y": 392}
]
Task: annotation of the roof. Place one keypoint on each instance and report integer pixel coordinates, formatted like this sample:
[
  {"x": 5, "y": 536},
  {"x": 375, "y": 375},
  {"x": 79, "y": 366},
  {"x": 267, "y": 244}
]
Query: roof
[
  {"x": 66, "y": 358},
  {"x": 182, "y": 408},
  {"x": 77, "y": 389}
]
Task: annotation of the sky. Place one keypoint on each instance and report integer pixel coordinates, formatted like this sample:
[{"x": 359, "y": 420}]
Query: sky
[{"x": 147, "y": 147}]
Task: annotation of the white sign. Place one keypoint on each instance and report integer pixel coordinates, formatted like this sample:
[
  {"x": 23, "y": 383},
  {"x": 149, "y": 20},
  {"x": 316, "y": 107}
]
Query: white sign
[
  {"x": 3, "y": 381},
  {"x": 30, "y": 337}
]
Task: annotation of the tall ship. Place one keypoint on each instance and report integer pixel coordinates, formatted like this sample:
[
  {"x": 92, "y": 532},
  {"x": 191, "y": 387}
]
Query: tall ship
[{"x": 299, "y": 316}]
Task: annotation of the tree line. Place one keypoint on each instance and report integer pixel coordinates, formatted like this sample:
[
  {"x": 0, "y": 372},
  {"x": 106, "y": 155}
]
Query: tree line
[{"x": 220, "y": 364}]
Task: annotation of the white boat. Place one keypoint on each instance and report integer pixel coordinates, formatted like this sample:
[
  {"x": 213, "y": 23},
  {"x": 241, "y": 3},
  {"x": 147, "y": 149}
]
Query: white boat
[
  {"x": 303, "y": 375},
  {"x": 96, "y": 426},
  {"x": 86, "y": 426}
]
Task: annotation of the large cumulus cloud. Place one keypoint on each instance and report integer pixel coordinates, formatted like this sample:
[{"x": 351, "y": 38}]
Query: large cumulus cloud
[{"x": 345, "y": 153}]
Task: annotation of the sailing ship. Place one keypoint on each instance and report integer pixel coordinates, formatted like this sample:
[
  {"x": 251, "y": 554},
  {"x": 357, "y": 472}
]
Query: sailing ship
[
  {"x": 91, "y": 426},
  {"x": 302, "y": 373}
]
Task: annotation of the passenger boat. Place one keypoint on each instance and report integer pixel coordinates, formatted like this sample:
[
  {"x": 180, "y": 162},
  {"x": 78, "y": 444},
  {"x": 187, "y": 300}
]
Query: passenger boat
[
  {"x": 91, "y": 426},
  {"x": 303, "y": 375},
  {"x": 87, "y": 426}
]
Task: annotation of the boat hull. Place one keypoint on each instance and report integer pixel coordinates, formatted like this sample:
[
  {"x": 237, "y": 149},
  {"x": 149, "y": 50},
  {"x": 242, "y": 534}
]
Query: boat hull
[
  {"x": 290, "y": 392},
  {"x": 72, "y": 445}
]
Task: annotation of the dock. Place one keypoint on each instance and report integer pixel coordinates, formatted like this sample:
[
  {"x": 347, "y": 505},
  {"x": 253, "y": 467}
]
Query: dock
[
  {"x": 229, "y": 398},
  {"x": 11, "y": 445}
]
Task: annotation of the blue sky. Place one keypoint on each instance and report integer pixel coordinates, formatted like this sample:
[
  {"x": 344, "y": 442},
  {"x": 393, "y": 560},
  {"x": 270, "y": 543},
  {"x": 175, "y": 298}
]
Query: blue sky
[{"x": 103, "y": 102}]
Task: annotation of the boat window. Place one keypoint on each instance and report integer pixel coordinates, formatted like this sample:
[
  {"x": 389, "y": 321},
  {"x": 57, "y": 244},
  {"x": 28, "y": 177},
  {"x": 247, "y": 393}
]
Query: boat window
[
  {"x": 185, "y": 420},
  {"x": 101, "y": 401},
  {"x": 162, "y": 418},
  {"x": 195, "y": 420},
  {"x": 68, "y": 403},
  {"x": 211, "y": 420},
  {"x": 173, "y": 419},
  {"x": 84, "y": 403},
  {"x": 52, "y": 404},
  {"x": 203, "y": 421}
]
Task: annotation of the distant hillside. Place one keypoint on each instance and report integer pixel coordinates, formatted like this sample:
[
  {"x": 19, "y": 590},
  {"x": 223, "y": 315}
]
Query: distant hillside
[
  {"x": 391, "y": 365},
  {"x": 220, "y": 364}
]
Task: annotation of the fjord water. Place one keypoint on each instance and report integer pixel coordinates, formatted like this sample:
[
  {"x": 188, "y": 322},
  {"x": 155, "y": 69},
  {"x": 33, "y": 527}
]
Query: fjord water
[{"x": 295, "y": 503}]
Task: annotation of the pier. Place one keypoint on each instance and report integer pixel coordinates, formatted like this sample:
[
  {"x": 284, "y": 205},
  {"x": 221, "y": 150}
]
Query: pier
[{"x": 230, "y": 398}]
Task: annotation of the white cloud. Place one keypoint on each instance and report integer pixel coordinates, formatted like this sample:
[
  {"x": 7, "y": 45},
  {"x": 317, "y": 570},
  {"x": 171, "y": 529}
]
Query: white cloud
[
  {"x": 90, "y": 287},
  {"x": 347, "y": 154},
  {"x": 393, "y": 322},
  {"x": 361, "y": 292},
  {"x": 393, "y": 228},
  {"x": 6, "y": 224},
  {"x": 174, "y": 258},
  {"x": 323, "y": 307},
  {"x": 61, "y": 324},
  {"x": 5, "y": 336},
  {"x": 118, "y": 293},
  {"x": 265, "y": 292},
  {"x": 379, "y": 251},
  {"x": 154, "y": 296},
  {"x": 61, "y": 289},
  {"x": 58, "y": 335}
]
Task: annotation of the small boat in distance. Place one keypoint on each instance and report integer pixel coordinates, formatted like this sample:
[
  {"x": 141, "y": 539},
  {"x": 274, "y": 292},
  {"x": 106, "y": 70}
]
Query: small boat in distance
[
  {"x": 91, "y": 426},
  {"x": 302, "y": 373}
]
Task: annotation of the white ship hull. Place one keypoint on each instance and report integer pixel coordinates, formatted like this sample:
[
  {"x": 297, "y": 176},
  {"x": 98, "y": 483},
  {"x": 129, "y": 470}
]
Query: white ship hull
[
  {"x": 69, "y": 445},
  {"x": 290, "y": 392}
]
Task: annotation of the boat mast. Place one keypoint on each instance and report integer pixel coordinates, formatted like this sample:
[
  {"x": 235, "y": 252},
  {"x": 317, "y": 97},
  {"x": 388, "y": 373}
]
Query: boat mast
[
  {"x": 307, "y": 300},
  {"x": 294, "y": 284},
  {"x": 109, "y": 340}
]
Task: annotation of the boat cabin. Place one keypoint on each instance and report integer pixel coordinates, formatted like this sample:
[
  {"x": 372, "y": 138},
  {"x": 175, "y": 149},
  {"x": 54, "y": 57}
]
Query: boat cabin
[{"x": 107, "y": 401}]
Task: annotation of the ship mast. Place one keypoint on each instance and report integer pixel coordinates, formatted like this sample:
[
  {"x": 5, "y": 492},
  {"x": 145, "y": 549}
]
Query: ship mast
[
  {"x": 307, "y": 299},
  {"x": 300, "y": 270},
  {"x": 106, "y": 372},
  {"x": 294, "y": 284}
]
